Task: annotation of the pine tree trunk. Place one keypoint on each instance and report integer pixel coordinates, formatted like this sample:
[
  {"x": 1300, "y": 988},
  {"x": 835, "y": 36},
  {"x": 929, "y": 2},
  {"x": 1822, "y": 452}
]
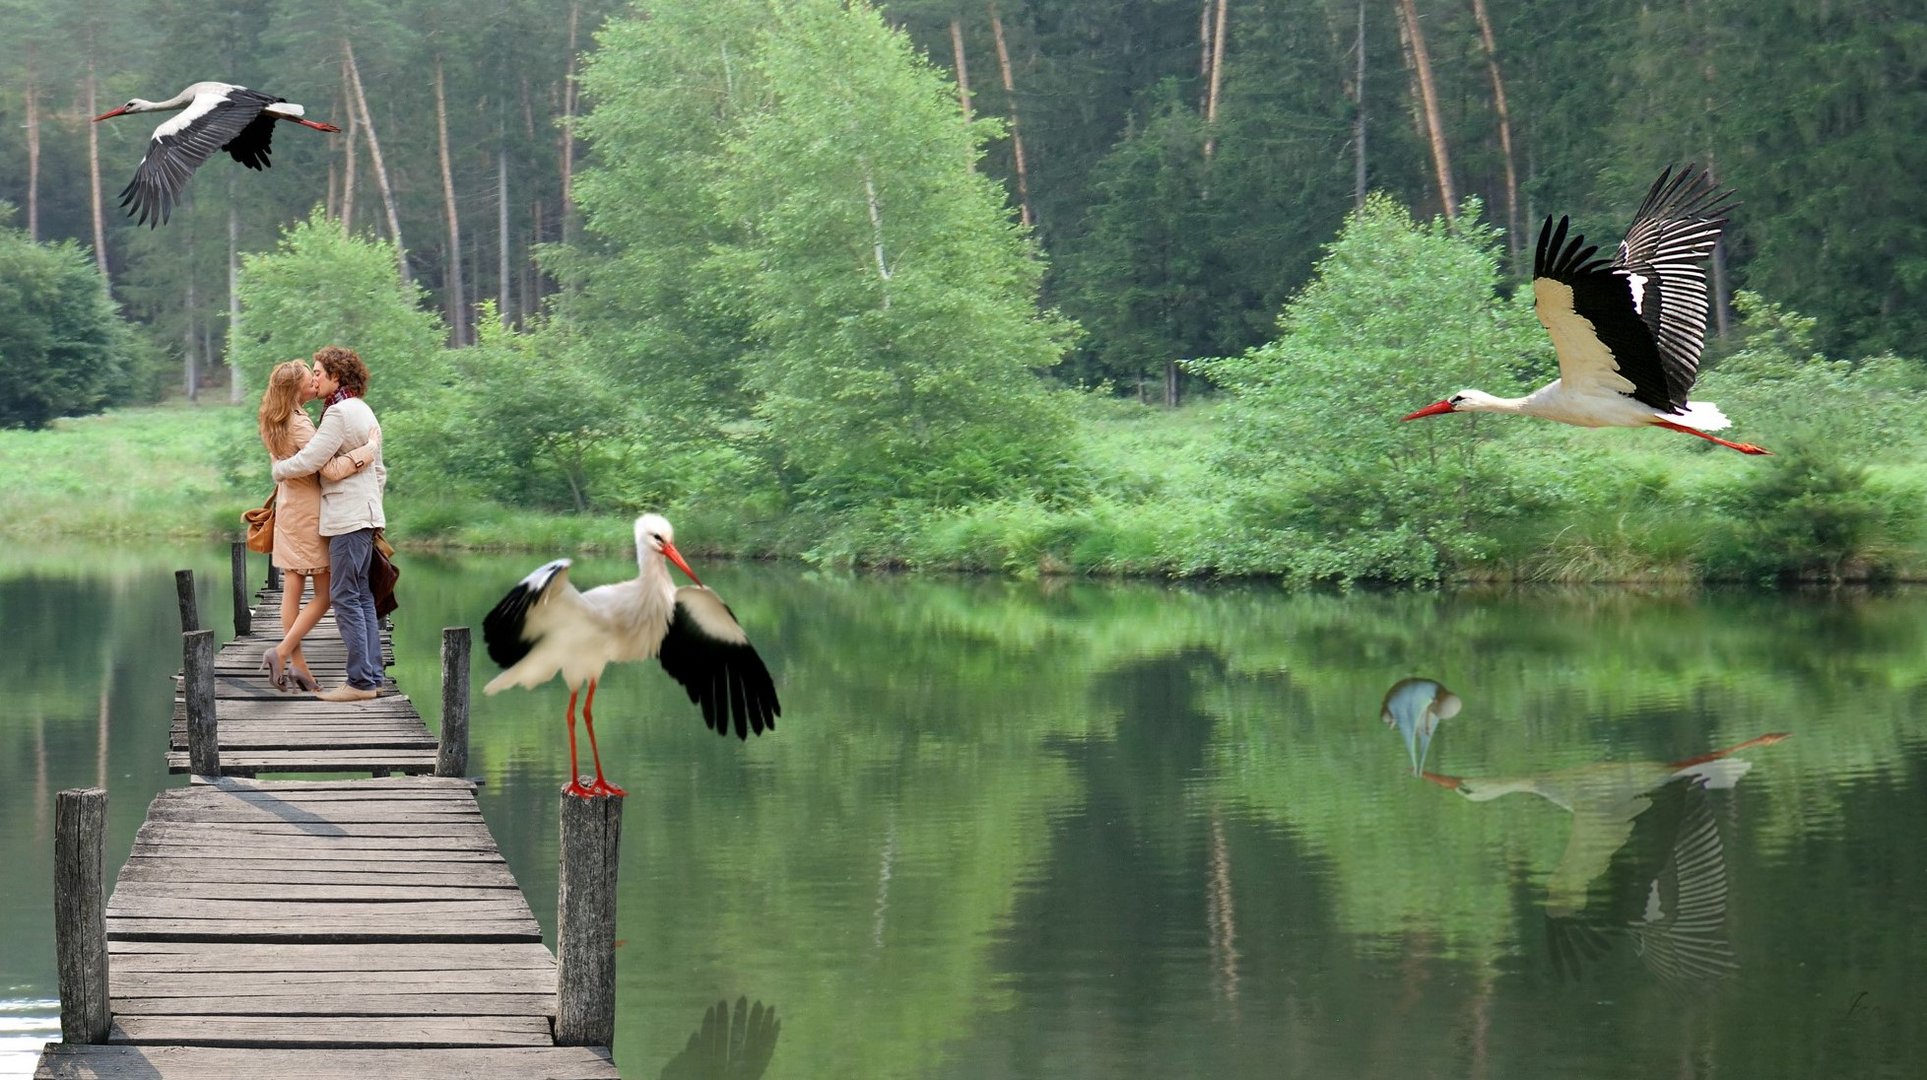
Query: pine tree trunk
[
  {"x": 452, "y": 270},
  {"x": 93, "y": 173},
  {"x": 33, "y": 151},
  {"x": 1217, "y": 80},
  {"x": 1429, "y": 98},
  {"x": 502, "y": 239},
  {"x": 963, "y": 69},
  {"x": 1360, "y": 175},
  {"x": 568, "y": 129},
  {"x": 1514, "y": 237},
  {"x": 233, "y": 295},
  {"x": 374, "y": 156},
  {"x": 1016, "y": 134},
  {"x": 348, "y": 165},
  {"x": 190, "y": 346}
]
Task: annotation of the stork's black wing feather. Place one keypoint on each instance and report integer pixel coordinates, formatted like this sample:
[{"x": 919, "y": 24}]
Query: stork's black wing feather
[
  {"x": 502, "y": 627},
  {"x": 252, "y": 146},
  {"x": 707, "y": 652},
  {"x": 180, "y": 145},
  {"x": 1662, "y": 261},
  {"x": 1600, "y": 295}
]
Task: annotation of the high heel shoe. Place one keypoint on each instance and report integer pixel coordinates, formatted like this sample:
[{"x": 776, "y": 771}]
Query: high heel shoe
[
  {"x": 277, "y": 674},
  {"x": 303, "y": 681}
]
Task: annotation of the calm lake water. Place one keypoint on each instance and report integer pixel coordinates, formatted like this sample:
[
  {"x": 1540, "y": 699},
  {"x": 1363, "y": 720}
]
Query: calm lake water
[{"x": 1068, "y": 829}]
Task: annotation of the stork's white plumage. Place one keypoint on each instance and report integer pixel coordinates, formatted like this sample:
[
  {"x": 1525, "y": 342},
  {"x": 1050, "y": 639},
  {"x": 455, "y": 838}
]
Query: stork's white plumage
[
  {"x": 1628, "y": 333},
  {"x": 214, "y": 116},
  {"x": 544, "y": 627}
]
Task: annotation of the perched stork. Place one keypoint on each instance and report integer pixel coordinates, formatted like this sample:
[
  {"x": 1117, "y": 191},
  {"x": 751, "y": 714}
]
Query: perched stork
[
  {"x": 1628, "y": 333},
  {"x": 217, "y": 116},
  {"x": 544, "y": 627}
]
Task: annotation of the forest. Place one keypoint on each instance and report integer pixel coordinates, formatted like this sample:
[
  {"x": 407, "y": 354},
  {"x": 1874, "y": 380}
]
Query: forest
[{"x": 1096, "y": 286}]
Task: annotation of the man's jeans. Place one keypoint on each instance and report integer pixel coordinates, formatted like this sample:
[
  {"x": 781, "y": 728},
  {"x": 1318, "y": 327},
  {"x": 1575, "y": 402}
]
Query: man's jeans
[{"x": 354, "y": 602}]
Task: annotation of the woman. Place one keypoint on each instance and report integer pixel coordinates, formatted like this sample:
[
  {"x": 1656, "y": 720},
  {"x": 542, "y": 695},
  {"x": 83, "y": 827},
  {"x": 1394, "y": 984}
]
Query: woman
[{"x": 299, "y": 549}]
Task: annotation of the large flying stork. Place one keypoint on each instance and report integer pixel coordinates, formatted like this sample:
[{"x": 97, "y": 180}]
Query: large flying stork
[
  {"x": 215, "y": 116},
  {"x": 1628, "y": 333},
  {"x": 544, "y": 627}
]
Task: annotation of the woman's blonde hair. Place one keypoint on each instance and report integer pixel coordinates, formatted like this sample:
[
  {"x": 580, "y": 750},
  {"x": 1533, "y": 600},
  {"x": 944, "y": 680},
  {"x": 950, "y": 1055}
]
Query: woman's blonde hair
[{"x": 287, "y": 388}]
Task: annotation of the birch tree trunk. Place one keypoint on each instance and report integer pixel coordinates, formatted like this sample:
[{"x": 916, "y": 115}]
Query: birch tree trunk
[
  {"x": 374, "y": 156},
  {"x": 1016, "y": 133},
  {"x": 1514, "y": 239},
  {"x": 963, "y": 68},
  {"x": 1429, "y": 98},
  {"x": 93, "y": 172},
  {"x": 452, "y": 265}
]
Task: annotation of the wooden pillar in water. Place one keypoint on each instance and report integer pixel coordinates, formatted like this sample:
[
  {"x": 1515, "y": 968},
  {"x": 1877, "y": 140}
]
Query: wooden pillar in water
[
  {"x": 80, "y": 913},
  {"x": 451, "y": 755},
  {"x": 197, "y": 688},
  {"x": 585, "y": 940},
  {"x": 184, "y": 592},
  {"x": 243, "y": 614}
]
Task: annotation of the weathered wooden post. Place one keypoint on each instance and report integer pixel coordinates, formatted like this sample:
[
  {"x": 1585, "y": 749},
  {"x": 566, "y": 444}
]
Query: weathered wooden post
[
  {"x": 184, "y": 591},
  {"x": 585, "y": 939},
  {"x": 451, "y": 757},
  {"x": 197, "y": 687},
  {"x": 80, "y": 913},
  {"x": 243, "y": 616},
  {"x": 274, "y": 574}
]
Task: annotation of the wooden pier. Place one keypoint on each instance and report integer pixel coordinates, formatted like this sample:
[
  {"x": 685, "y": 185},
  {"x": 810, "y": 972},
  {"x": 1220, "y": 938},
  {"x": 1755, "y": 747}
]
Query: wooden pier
[{"x": 349, "y": 928}]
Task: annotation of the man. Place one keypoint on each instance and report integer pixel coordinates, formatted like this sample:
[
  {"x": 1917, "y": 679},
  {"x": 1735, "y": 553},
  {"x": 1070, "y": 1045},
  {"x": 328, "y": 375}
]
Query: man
[{"x": 350, "y": 512}]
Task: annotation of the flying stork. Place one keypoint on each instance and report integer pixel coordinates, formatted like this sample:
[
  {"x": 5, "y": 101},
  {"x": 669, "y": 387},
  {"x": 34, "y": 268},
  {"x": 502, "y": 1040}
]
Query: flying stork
[
  {"x": 1628, "y": 333},
  {"x": 217, "y": 116},
  {"x": 544, "y": 627}
]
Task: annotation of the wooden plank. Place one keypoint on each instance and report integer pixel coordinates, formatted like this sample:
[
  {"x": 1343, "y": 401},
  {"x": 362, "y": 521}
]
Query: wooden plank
[
  {"x": 177, "y": 956},
  {"x": 307, "y": 891},
  {"x": 293, "y": 852},
  {"x": 287, "y": 788},
  {"x": 374, "y": 983},
  {"x": 297, "y": 872},
  {"x": 156, "y": 907},
  {"x": 316, "y": 928},
  {"x": 253, "y": 832},
  {"x": 351, "y": 1002},
  {"x": 422, "y": 761},
  {"x": 233, "y": 1063},
  {"x": 333, "y": 1031}
]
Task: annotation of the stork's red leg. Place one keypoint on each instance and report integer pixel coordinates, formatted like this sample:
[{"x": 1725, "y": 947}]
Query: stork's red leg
[
  {"x": 1742, "y": 447},
  {"x": 601, "y": 786},
  {"x": 574, "y": 786}
]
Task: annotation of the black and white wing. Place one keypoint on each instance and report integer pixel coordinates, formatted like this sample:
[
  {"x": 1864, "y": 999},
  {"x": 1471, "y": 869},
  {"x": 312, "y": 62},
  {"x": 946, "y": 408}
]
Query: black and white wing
[
  {"x": 538, "y": 606},
  {"x": 708, "y": 653},
  {"x": 209, "y": 123},
  {"x": 1662, "y": 260},
  {"x": 1634, "y": 325}
]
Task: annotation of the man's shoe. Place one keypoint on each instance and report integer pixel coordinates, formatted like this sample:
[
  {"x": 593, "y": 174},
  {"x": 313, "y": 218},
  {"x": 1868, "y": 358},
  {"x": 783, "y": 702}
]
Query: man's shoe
[{"x": 345, "y": 692}]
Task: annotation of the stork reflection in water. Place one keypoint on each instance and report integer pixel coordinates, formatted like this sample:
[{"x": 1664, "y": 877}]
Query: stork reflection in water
[
  {"x": 729, "y": 1046},
  {"x": 1415, "y": 707},
  {"x": 1643, "y": 862}
]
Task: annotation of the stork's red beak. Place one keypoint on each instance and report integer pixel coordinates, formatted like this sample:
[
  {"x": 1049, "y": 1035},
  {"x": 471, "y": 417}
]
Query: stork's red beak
[
  {"x": 675, "y": 556},
  {"x": 122, "y": 111},
  {"x": 1432, "y": 410}
]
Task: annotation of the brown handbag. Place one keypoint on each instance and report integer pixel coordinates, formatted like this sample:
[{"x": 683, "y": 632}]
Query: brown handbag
[{"x": 260, "y": 523}]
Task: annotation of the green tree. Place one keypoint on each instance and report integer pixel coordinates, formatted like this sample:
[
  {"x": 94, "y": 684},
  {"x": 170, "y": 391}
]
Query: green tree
[
  {"x": 896, "y": 337},
  {"x": 1399, "y": 314},
  {"x": 63, "y": 349}
]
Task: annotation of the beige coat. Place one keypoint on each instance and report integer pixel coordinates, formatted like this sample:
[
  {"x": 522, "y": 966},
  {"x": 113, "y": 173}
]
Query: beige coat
[
  {"x": 298, "y": 543},
  {"x": 354, "y": 502}
]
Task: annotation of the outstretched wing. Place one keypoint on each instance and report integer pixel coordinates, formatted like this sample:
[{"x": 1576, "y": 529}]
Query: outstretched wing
[
  {"x": 180, "y": 145},
  {"x": 708, "y": 653},
  {"x": 536, "y": 606},
  {"x": 1662, "y": 261}
]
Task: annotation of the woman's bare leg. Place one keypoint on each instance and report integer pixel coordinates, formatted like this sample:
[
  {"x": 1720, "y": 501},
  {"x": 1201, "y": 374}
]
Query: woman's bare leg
[{"x": 290, "y": 647}]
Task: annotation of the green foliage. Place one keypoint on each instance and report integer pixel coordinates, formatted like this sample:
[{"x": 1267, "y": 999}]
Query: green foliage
[
  {"x": 1810, "y": 514},
  {"x": 321, "y": 287},
  {"x": 63, "y": 349},
  {"x": 1399, "y": 314}
]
